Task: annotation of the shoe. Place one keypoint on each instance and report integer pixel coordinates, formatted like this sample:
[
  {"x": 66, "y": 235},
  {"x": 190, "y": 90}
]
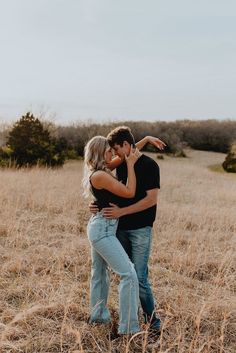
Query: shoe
[
  {"x": 113, "y": 335},
  {"x": 154, "y": 335},
  {"x": 155, "y": 324},
  {"x": 97, "y": 322}
]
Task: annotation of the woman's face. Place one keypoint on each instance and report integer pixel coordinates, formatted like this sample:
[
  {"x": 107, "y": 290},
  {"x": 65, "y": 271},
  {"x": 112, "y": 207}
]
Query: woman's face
[{"x": 108, "y": 154}]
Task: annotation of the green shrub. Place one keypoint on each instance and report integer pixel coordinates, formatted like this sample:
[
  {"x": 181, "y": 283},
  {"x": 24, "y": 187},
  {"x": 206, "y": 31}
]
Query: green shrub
[
  {"x": 229, "y": 164},
  {"x": 32, "y": 144},
  {"x": 72, "y": 154},
  {"x": 5, "y": 156}
]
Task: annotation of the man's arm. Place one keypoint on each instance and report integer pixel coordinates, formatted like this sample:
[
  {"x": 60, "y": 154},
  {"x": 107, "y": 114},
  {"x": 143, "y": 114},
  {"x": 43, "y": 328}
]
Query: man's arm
[
  {"x": 155, "y": 141},
  {"x": 148, "y": 201},
  {"x": 114, "y": 163}
]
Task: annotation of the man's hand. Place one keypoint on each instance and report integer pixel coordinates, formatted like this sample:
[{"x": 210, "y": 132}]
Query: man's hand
[
  {"x": 93, "y": 208},
  {"x": 155, "y": 141},
  {"x": 112, "y": 212}
]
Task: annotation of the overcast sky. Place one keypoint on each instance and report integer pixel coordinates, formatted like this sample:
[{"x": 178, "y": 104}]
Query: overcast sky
[{"x": 118, "y": 59}]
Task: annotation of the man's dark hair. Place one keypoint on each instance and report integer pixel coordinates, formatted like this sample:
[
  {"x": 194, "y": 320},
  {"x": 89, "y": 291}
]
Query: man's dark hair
[{"x": 119, "y": 135}]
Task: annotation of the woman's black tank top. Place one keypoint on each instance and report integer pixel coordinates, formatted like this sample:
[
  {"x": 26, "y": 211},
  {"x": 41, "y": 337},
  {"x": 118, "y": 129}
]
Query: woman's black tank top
[{"x": 103, "y": 197}]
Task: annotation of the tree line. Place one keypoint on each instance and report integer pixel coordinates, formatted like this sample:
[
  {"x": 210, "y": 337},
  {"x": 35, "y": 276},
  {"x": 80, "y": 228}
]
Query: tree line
[
  {"x": 31, "y": 141},
  {"x": 206, "y": 135}
]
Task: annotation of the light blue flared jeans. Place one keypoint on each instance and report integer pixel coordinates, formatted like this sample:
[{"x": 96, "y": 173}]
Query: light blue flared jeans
[{"x": 106, "y": 252}]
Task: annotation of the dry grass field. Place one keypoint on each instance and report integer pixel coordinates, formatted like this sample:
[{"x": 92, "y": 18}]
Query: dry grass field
[{"x": 45, "y": 261}]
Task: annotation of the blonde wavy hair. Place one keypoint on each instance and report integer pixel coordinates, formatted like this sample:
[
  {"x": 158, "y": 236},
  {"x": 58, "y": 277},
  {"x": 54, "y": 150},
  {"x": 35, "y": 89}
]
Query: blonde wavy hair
[{"x": 94, "y": 152}]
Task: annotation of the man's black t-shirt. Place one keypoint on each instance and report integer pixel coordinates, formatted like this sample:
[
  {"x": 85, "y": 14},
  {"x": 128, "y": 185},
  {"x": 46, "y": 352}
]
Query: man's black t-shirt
[{"x": 147, "y": 178}]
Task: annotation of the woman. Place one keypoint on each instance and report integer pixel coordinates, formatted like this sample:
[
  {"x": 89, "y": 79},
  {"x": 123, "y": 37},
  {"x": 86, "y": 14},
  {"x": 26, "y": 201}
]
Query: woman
[{"x": 106, "y": 250}]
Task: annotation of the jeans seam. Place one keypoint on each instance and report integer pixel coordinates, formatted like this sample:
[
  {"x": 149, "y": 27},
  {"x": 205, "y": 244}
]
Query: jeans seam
[{"x": 100, "y": 311}]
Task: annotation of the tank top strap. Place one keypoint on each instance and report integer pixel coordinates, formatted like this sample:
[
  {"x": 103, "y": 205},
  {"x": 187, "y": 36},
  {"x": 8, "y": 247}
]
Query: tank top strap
[{"x": 91, "y": 176}]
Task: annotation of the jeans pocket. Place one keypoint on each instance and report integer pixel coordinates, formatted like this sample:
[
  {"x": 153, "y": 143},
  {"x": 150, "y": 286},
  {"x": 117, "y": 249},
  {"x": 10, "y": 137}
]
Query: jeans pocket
[
  {"x": 111, "y": 226},
  {"x": 113, "y": 222},
  {"x": 95, "y": 230}
]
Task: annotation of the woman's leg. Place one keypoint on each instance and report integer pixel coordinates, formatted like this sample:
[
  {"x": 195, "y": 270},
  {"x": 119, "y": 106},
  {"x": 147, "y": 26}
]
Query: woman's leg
[
  {"x": 99, "y": 287},
  {"x": 113, "y": 253}
]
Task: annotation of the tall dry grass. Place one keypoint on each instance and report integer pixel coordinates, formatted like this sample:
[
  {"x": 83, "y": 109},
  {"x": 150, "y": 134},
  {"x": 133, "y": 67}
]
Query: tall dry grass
[{"x": 45, "y": 262}]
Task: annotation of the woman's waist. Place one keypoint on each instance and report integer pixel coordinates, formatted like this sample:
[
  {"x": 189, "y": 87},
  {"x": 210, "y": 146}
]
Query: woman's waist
[
  {"x": 99, "y": 216},
  {"x": 104, "y": 203},
  {"x": 100, "y": 227}
]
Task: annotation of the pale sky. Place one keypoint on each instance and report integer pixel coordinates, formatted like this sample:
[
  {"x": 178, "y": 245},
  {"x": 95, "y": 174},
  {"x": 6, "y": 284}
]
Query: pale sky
[{"x": 118, "y": 59}]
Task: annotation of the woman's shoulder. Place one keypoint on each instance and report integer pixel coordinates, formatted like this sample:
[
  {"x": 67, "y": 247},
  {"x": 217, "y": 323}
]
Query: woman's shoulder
[{"x": 99, "y": 176}]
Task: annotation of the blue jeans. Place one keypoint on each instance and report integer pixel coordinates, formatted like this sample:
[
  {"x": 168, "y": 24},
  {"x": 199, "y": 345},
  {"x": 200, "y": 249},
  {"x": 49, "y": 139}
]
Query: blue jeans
[
  {"x": 107, "y": 251},
  {"x": 137, "y": 244}
]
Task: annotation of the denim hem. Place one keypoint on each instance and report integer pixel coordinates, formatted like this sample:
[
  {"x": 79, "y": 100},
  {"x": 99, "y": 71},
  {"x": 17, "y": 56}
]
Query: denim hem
[
  {"x": 99, "y": 321},
  {"x": 124, "y": 330}
]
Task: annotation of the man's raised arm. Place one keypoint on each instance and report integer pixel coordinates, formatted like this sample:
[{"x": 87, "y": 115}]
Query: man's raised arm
[{"x": 155, "y": 141}]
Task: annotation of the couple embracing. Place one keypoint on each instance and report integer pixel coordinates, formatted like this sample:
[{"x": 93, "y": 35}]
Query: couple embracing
[{"x": 120, "y": 228}]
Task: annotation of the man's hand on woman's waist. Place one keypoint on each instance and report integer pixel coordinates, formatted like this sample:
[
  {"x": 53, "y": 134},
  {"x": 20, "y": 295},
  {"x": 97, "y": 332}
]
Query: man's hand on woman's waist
[{"x": 112, "y": 212}]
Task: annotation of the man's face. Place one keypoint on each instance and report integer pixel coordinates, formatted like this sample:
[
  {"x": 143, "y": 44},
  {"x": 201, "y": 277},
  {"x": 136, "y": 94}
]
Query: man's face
[{"x": 120, "y": 151}]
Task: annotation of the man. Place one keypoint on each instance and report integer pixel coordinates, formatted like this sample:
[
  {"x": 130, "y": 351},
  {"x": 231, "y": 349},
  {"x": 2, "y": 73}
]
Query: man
[{"x": 136, "y": 216}]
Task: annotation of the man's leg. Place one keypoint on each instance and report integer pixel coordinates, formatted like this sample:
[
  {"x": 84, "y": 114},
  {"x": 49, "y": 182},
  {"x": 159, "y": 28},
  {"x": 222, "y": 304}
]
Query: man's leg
[
  {"x": 141, "y": 240},
  {"x": 123, "y": 238}
]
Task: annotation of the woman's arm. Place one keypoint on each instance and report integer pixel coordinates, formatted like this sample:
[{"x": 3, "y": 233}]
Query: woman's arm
[
  {"x": 114, "y": 163},
  {"x": 103, "y": 180}
]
